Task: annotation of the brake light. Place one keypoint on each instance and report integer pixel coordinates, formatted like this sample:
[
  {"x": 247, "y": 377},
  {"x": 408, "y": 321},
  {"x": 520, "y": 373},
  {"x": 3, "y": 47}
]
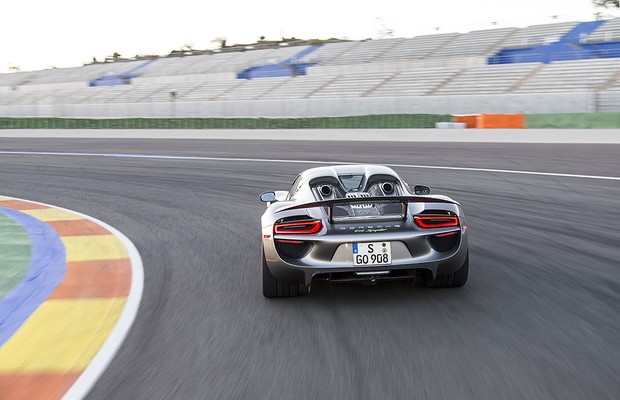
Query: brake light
[
  {"x": 289, "y": 241},
  {"x": 300, "y": 227},
  {"x": 436, "y": 221},
  {"x": 447, "y": 234}
]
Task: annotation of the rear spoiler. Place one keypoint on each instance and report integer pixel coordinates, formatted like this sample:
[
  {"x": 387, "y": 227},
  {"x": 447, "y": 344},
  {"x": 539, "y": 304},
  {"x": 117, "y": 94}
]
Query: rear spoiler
[{"x": 404, "y": 200}]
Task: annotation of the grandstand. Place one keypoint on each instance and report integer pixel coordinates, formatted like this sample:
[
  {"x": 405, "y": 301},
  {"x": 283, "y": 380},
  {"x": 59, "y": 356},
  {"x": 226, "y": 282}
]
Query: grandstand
[
  {"x": 538, "y": 34},
  {"x": 608, "y": 32},
  {"x": 477, "y": 43},
  {"x": 558, "y": 67}
]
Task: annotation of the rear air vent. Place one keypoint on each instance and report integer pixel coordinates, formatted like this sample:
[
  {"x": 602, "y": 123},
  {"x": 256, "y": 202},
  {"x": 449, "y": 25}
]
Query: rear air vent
[
  {"x": 445, "y": 241},
  {"x": 293, "y": 248}
]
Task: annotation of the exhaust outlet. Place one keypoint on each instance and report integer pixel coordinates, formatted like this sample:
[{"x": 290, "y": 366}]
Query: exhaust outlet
[
  {"x": 387, "y": 187},
  {"x": 325, "y": 190}
]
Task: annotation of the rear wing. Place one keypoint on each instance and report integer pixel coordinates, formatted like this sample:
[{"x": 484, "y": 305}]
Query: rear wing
[{"x": 362, "y": 201}]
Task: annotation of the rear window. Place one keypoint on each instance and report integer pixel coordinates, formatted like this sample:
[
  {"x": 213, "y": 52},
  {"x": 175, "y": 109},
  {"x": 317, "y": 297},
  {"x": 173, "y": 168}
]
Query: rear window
[{"x": 351, "y": 181}]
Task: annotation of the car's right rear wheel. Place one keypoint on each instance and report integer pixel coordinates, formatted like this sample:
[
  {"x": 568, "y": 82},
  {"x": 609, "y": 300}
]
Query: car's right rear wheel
[
  {"x": 273, "y": 288},
  {"x": 456, "y": 279}
]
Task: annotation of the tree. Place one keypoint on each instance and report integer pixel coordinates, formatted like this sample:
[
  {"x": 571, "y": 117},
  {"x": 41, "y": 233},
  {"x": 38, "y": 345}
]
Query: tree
[
  {"x": 385, "y": 32},
  {"x": 607, "y": 3},
  {"x": 221, "y": 40}
]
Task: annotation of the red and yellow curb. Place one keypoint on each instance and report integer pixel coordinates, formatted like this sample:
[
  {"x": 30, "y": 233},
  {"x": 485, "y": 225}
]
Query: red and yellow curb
[{"x": 50, "y": 351}]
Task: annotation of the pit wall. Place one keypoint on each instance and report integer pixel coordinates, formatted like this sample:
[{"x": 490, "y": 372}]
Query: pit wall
[{"x": 386, "y": 121}]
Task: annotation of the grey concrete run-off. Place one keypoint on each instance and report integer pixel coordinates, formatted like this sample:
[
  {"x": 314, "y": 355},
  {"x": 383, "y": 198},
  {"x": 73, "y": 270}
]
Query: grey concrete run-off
[
  {"x": 538, "y": 319},
  {"x": 600, "y": 136}
]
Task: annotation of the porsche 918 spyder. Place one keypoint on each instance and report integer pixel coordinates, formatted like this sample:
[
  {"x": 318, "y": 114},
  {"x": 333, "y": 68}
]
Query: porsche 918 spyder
[{"x": 352, "y": 223}]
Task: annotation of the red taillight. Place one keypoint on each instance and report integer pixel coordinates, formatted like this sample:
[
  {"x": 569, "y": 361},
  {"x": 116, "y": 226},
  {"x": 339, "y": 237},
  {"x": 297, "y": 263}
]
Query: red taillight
[
  {"x": 436, "y": 221},
  {"x": 300, "y": 227}
]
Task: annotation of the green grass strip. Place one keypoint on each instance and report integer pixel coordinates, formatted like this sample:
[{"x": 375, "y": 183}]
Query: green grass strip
[
  {"x": 15, "y": 252},
  {"x": 574, "y": 121},
  {"x": 394, "y": 121}
]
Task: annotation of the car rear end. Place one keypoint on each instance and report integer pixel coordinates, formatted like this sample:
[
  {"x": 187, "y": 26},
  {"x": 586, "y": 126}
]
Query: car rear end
[{"x": 360, "y": 239}]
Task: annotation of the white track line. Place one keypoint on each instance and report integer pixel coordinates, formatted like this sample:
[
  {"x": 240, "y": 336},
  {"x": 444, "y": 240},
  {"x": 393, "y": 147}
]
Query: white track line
[
  {"x": 106, "y": 353},
  {"x": 265, "y": 160}
]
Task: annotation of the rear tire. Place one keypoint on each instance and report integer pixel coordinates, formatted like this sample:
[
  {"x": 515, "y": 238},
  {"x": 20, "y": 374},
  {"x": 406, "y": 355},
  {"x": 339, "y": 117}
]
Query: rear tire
[
  {"x": 456, "y": 279},
  {"x": 274, "y": 288}
]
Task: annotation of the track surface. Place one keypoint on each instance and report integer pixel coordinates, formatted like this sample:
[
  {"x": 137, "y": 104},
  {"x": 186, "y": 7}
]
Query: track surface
[{"x": 539, "y": 318}]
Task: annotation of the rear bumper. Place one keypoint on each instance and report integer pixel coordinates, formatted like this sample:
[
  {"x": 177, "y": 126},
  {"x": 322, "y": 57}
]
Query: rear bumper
[{"x": 329, "y": 256}]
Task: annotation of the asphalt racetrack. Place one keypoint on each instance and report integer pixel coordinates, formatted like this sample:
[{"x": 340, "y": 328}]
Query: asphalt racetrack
[{"x": 538, "y": 319}]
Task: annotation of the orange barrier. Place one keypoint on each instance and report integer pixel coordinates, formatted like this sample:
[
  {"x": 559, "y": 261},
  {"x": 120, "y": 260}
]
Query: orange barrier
[
  {"x": 500, "y": 121},
  {"x": 492, "y": 120},
  {"x": 470, "y": 120}
]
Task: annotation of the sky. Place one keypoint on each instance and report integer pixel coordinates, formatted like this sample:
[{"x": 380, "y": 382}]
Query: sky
[{"x": 39, "y": 34}]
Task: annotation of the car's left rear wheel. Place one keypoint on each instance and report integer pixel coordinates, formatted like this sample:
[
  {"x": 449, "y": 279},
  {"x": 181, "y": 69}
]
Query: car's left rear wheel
[
  {"x": 272, "y": 287},
  {"x": 455, "y": 279}
]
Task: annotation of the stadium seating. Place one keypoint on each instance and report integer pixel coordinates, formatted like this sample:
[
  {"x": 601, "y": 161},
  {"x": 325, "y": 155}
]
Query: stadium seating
[
  {"x": 607, "y": 32},
  {"x": 477, "y": 43},
  {"x": 571, "y": 76},
  {"x": 299, "y": 88},
  {"x": 536, "y": 35},
  {"x": 446, "y": 64},
  {"x": 251, "y": 89},
  {"x": 364, "y": 52},
  {"x": 569, "y": 46},
  {"x": 416, "y": 82},
  {"x": 351, "y": 85},
  {"x": 417, "y": 48},
  {"x": 329, "y": 52},
  {"x": 489, "y": 79}
]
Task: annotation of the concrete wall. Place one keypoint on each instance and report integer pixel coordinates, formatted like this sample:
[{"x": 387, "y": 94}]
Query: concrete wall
[
  {"x": 608, "y": 101},
  {"x": 523, "y": 103}
]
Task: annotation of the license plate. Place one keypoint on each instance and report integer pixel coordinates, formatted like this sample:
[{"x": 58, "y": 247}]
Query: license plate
[{"x": 376, "y": 253}]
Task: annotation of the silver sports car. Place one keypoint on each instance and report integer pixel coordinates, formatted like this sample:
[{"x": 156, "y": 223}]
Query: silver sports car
[{"x": 360, "y": 223}]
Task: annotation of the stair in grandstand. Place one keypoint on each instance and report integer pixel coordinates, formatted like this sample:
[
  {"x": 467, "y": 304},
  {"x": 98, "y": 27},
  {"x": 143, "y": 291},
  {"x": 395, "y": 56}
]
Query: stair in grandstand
[
  {"x": 288, "y": 67},
  {"x": 120, "y": 79}
]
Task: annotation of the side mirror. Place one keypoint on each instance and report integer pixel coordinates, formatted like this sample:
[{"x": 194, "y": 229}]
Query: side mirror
[
  {"x": 421, "y": 190},
  {"x": 268, "y": 197}
]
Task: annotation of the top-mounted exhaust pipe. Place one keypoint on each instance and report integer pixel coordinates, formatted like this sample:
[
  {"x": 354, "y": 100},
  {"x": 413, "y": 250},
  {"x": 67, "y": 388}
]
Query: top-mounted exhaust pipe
[
  {"x": 325, "y": 190},
  {"x": 387, "y": 188}
]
